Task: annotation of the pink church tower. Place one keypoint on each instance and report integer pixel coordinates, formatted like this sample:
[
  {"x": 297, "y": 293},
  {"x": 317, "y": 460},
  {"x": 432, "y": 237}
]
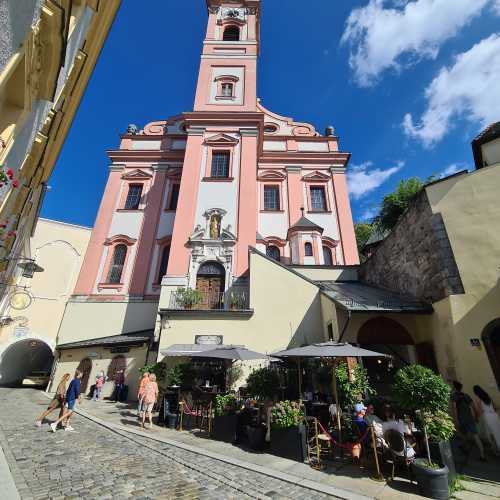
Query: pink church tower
[{"x": 186, "y": 197}]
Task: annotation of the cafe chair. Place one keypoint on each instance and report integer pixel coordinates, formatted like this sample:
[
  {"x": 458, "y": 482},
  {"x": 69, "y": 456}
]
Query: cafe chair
[
  {"x": 397, "y": 451},
  {"x": 319, "y": 444}
]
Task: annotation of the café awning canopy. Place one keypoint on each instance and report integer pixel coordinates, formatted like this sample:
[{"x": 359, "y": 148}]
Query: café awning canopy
[
  {"x": 230, "y": 352},
  {"x": 189, "y": 350},
  {"x": 327, "y": 350}
]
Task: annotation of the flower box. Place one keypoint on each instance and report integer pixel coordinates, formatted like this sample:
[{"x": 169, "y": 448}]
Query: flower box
[
  {"x": 289, "y": 442},
  {"x": 224, "y": 428}
]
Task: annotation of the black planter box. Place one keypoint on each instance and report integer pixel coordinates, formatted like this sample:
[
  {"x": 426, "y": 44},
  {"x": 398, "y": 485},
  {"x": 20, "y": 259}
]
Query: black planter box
[
  {"x": 432, "y": 483},
  {"x": 256, "y": 437},
  {"x": 224, "y": 428},
  {"x": 289, "y": 443}
]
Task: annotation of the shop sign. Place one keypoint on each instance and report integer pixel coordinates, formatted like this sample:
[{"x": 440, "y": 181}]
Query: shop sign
[
  {"x": 208, "y": 339},
  {"x": 92, "y": 355},
  {"x": 21, "y": 332}
]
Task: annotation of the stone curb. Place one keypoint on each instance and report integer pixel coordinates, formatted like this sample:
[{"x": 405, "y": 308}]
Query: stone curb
[
  {"x": 7, "y": 484},
  {"x": 283, "y": 476}
]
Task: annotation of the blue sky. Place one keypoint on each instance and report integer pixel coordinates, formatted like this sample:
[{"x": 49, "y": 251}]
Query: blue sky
[{"x": 406, "y": 84}]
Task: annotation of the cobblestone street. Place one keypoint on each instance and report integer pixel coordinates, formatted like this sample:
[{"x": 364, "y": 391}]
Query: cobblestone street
[{"x": 94, "y": 462}]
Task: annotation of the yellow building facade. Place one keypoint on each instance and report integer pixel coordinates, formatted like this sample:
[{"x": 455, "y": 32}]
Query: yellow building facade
[{"x": 48, "y": 51}]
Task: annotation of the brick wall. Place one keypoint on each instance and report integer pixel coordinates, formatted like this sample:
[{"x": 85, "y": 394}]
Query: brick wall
[{"x": 416, "y": 258}]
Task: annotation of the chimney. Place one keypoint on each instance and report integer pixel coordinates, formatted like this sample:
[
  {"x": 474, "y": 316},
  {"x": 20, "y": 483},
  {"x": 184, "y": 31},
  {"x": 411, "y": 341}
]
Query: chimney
[{"x": 329, "y": 131}]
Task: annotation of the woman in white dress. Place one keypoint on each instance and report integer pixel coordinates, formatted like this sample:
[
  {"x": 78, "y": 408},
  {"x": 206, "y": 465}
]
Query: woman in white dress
[{"x": 489, "y": 420}]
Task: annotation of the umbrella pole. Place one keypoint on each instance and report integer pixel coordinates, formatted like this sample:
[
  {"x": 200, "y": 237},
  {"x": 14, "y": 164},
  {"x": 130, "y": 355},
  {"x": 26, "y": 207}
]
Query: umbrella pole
[
  {"x": 300, "y": 382},
  {"x": 336, "y": 396}
]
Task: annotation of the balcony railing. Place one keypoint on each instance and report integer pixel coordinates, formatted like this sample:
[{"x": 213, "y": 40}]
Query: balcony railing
[{"x": 232, "y": 300}]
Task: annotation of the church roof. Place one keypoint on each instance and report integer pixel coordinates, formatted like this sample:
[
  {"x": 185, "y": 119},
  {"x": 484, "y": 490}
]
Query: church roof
[
  {"x": 360, "y": 297},
  {"x": 306, "y": 224}
]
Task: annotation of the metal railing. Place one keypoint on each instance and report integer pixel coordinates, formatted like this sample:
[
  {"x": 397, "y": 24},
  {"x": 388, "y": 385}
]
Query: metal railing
[{"x": 196, "y": 300}]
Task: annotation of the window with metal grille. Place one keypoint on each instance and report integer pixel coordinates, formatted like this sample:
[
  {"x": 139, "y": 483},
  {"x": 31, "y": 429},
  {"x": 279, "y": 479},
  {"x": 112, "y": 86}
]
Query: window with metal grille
[
  {"x": 273, "y": 252},
  {"x": 220, "y": 164},
  {"x": 327, "y": 256},
  {"x": 227, "y": 89},
  {"x": 271, "y": 198},
  {"x": 165, "y": 254},
  {"x": 174, "y": 197},
  {"x": 308, "y": 249},
  {"x": 231, "y": 34},
  {"x": 117, "y": 262},
  {"x": 133, "y": 197},
  {"x": 318, "y": 200}
]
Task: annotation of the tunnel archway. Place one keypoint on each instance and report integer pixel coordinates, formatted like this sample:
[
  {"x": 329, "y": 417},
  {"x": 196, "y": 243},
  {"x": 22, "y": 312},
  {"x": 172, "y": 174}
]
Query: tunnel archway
[{"x": 22, "y": 358}]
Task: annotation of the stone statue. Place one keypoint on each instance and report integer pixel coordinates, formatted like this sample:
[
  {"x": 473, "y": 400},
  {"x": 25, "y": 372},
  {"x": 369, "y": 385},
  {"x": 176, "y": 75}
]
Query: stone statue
[
  {"x": 214, "y": 227},
  {"x": 132, "y": 129}
]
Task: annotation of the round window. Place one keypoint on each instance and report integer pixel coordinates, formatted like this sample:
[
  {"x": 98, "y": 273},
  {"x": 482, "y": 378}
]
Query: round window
[{"x": 270, "y": 128}]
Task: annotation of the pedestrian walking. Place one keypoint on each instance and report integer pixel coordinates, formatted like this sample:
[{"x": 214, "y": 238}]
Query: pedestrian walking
[
  {"x": 57, "y": 400},
  {"x": 149, "y": 399},
  {"x": 99, "y": 383},
  {"x": 72, "y": 394},
  {"x": 119, "y": 383},
  {"x": 464, "y": 416},
  {"x": 140, "y": 393},
  {"x": 489, "y": 422}
]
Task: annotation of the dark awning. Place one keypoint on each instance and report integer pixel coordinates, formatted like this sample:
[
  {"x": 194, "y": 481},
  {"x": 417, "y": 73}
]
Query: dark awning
[{"x": 132, "y": 338}]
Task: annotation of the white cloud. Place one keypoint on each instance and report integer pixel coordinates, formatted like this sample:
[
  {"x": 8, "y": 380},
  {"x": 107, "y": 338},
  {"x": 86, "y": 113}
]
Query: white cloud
[
  {"x": 369, "y": 213},
  {"x": 470, "y": 89},
  {"x": 496, "y": 7},
  {"x": 381, "y": 36},
  {"x": 362, "y": 179},
  {"x": 452, "y": 169}
]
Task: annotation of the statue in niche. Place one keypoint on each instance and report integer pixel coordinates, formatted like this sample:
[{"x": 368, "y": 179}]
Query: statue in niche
[{"x": 214, "y": 227}]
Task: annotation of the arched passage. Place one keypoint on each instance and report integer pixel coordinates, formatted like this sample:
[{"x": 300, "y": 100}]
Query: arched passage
[
  {"x": 23, "y": 358},
  {"x": 387, "y": 336},
  {"x": 491, "y": 339}
]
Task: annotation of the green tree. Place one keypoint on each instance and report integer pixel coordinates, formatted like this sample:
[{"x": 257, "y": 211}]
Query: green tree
[
  {"x": 395, "y": 203},
  {"x": 363, "y": 231}
]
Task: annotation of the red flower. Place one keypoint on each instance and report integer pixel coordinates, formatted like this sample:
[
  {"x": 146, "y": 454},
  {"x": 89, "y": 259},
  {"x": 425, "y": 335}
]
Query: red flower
[
  {"x": 15, "y": 183},
  {"x": 11, "y": 233},
  {"x": 3, "y": 225},
  {"x": 10, "y": 173}
]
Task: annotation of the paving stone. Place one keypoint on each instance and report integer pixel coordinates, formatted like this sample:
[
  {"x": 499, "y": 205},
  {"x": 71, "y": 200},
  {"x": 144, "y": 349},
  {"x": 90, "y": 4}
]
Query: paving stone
[{"x": 63, "y": 465}]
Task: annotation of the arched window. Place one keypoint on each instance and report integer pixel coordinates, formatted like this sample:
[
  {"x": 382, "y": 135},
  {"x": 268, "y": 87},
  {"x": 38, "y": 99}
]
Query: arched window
[
  {"x": 227, "y": 89},
  {"x": 273, "y": 252},
  {"x": 308, "y": 249},
  {"x": 165, "y": 254},
  {"x": 327, "y": 256},
  {"x": 231, "y": 34},
  {"x": 117, "y": 263}
]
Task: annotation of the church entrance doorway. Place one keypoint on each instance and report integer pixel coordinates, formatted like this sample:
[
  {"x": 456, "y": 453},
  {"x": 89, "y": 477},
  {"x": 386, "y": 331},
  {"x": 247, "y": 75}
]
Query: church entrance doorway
[
  {"x": 491, "y": 339},
  {"x": 210, "y": 282}
]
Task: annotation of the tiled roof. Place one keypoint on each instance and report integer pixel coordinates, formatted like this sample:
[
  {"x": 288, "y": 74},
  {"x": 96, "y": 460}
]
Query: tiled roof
[
  {"x": 490, "y": 133},
  {"x": 124, "y": 338},
  {"x": 357, "y": 296},
  {"x": 304, "y": 223}
]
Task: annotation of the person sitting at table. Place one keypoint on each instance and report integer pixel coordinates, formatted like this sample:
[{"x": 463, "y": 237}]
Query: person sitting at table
[
  {"x": 370, "y": 416},
  {"x": 395, "y": 422},
  {"x": 359, "y": 420}
]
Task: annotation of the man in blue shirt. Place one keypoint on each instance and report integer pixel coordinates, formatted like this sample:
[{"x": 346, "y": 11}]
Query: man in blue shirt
[{"x": 72, "y": 394}]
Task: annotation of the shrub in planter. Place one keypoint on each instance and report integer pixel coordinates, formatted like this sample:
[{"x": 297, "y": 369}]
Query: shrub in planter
[
  {"x": 288, "y": 435},
  {"x": 263, "y": 383},
  {"x": 225, "y": 419},
  {"x": 355, "y": 388},
  {"x": 187, "y": 297},
  {"x": 425, "y": 395}
]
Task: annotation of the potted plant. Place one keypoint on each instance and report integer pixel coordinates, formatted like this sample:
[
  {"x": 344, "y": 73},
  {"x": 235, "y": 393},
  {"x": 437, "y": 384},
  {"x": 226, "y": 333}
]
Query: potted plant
[
  {"x": 225, "y": 420},
  {"x": 425, "y": 396},
  {"x": 263, "y": 383},
  {"x": 288, "y": 439},
  {"x": 350, "y": 436},
  {"x": 187, "y": 297}
]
